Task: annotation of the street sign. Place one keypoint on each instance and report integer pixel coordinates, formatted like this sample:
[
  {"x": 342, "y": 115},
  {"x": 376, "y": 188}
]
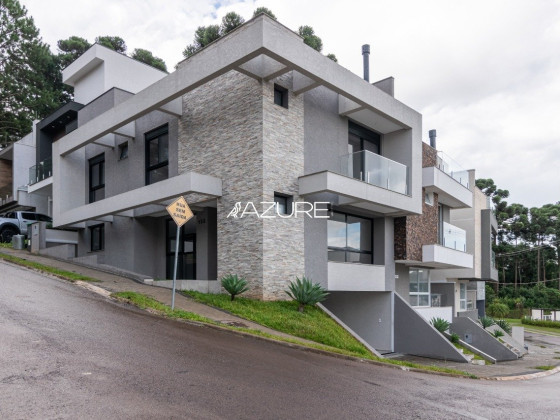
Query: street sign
[{"x": 180, "y": 211}]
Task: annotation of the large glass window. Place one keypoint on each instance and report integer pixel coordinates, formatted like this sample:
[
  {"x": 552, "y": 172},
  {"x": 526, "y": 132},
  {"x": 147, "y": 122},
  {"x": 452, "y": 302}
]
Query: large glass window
[
  {"x": 419, "y": 289},
  {"x": 463, "y": 296},
  {"x": 97, "y": 178},
  {"x": 350, "y": 238},
  {"x": 157, "y": 155}
]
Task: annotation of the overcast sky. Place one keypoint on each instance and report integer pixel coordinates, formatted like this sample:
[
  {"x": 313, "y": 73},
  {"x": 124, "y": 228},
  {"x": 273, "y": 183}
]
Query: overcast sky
[{"x": 485, "y": 74}]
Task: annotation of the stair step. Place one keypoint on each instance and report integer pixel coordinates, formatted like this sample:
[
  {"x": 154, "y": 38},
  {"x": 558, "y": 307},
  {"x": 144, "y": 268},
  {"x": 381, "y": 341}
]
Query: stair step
[
  {"x": 469, "y": 357},
  {"x": 478, "y": 362}
]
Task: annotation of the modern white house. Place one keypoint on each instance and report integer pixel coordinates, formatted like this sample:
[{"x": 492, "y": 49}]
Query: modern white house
[{"x": 259, "y": 121}]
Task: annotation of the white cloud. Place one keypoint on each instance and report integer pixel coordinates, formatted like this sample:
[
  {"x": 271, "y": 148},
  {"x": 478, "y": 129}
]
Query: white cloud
[{"x": 485, "y": 74}]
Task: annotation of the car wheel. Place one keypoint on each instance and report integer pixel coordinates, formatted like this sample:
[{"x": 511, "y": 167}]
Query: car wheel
[{"x": 7, "y": 233}]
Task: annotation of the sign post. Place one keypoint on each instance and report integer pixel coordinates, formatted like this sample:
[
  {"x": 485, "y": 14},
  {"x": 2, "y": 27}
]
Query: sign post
[{"x": 181, "y": 213}]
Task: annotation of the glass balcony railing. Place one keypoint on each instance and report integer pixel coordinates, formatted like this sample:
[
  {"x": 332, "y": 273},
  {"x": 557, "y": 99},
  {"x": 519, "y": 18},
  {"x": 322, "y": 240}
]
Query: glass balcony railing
[
  {"x": 41, "y": 171},
  {"x": 376, "y": 170},
  {"x": 453, "y": 169},
  {"x": 493, "y": 260},
  {"x": 454, "y": 237}
]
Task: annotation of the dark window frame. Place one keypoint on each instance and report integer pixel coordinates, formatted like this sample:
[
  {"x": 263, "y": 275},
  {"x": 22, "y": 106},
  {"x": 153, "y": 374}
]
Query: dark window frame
[
  {"x": 281, "y": 96},
  {"x": 288, "y": 201},
  {"x": 149, "y": 137},
  {"x": 94, "y": 161},
  {"x": 123, "y": 148},
  {"x": 346, "y": 249},
  {"x": 92, "y": 230},
  {"x": 365, "y": 134}
]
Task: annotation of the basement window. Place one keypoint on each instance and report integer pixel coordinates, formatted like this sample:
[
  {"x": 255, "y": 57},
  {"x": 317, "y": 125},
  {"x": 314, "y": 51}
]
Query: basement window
[
  {"x": 97, "y": 234},
  {"x": 123, "y": 150},
  {"x": 281, "y": 96},
  {"x": 283, "y": 203}
]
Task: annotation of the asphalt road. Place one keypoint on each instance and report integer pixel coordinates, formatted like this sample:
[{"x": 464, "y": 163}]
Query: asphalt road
[{"x": 66, "y": 352}]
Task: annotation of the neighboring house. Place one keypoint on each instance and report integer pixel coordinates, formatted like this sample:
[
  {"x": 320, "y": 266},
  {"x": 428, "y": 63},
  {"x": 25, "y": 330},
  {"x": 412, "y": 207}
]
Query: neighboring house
[
  {"x": 257, "y": 116},
  {"x": 15, "y": 163}
]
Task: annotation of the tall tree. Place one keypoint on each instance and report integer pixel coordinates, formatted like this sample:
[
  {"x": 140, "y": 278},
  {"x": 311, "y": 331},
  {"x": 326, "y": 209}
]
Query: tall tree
[
  {"x": 70, "y": 49},
  {"x": 229, "y": 22},
  {"x": 115, "y": 43},
  {"x": 309, "y": 37},
  {"x": 147, "y": 57},
  {"x": 30, "y": 84},
  {"x": 265, "y": 10}
]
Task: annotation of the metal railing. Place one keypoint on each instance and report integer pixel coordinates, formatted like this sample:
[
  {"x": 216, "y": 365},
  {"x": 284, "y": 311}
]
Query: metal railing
[
  {"x": 41, "y": 171},
  {"x": 453, "y": 169},
  {"x": 376, "y": 170},
  {"x": 454, "y": 237}
]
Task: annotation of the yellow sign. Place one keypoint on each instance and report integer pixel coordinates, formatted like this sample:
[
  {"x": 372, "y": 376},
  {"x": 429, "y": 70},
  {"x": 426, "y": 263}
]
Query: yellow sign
[{"x": 180, "y": 211}]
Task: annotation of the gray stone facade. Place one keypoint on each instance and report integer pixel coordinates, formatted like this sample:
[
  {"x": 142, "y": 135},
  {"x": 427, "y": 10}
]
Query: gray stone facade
[{"x": 232, "y": 129}]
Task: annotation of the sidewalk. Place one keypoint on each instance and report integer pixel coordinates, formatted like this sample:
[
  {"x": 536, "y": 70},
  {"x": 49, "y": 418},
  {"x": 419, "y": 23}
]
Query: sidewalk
[
  {"x": 114, "y": 283},
  {"x": 542, "y": 351}
]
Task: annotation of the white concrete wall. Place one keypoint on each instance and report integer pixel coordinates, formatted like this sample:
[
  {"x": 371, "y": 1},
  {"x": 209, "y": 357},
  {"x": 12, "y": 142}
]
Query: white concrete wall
[
  {"x": 445, "y": 312},
  {"x": 356, "y": 277}
]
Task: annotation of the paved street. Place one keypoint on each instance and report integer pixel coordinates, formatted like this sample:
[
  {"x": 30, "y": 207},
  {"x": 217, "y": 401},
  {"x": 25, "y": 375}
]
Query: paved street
[{"x": 68, "y": 353}]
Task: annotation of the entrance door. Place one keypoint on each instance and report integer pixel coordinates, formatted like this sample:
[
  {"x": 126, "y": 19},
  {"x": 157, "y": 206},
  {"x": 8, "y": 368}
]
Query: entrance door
[{"x": 186, "y": 263}]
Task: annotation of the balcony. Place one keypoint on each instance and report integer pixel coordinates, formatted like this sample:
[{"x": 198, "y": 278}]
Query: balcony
[
  {"x": 454, "y": 237},
  {"x": 40, "y": 172},
  {"x": 375, "y": 170},
  {"x": 356, "y": 277},
  {"x": 365, "y": 180},
  {"x": 453, "y": 169}
]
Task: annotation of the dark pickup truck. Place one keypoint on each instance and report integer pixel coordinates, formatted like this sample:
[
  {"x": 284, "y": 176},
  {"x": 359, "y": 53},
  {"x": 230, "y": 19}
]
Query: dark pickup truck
[{"x": 15, "y": 223}]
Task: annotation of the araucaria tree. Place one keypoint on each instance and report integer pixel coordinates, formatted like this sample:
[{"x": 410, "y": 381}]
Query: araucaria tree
[{"x": 30, "y": 80}]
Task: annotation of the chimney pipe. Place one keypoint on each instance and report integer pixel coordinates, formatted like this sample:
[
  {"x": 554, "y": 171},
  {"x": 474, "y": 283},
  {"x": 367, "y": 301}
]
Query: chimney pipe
[
  {"x": 365, "y": 53},
  {"x": 433, "y": 135}
]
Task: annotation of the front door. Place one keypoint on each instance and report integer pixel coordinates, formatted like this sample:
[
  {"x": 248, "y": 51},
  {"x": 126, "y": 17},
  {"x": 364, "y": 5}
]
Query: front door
[{"x": 186, "y": 263}]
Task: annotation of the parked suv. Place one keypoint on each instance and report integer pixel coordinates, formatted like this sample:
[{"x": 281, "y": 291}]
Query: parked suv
[{"x": 15, "y": 223}]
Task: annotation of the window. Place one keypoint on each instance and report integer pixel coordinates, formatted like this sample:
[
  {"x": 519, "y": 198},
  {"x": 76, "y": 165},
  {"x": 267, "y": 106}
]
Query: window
[
  {"x": 97, "y": 234},
  {"x": 97, "y": 178},
  {"x": 123, "y": 150},
  {"x": 419, "y": 288},
  {"x": 350, "y": 238},
  {"x": 283, "y": 203},
  {"x": 280, "y": 96},
  {"x": 360, "y": 138},
  {"x": 429, "y": 198},
  {"x": 157, "y": 155},
  {"x": 462, "y": 296}
]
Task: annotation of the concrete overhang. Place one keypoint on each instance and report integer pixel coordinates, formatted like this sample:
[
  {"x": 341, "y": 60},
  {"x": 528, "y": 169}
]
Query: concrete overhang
[
  {"x": 437, "y": 256},
  {"x": 356, "y": 193},
  {"x": 189, "y": 182},
  {"x": 41, "y": 187},
  {"x": 449, "y": 191},
  {"x": 262, "y": 48}
]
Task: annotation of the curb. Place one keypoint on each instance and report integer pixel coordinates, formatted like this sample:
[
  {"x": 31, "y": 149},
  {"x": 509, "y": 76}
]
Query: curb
[{"x": 524, "y": 377}]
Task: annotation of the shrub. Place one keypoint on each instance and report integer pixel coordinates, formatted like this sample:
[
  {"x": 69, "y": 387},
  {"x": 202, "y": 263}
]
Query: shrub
[
  {"x": 234, "y": 285},
  {"x": 486, "y": 321},
  {"x": 454, "y": 338},
  {"x": 541, "y": 323},
  {"x": 305, "y": 292},
  {"x": 504, "y": 325},
  {"x": 498, "y": 310},
  {"x": 440, "y": 324},
  {"x": 498, "y": 333}
]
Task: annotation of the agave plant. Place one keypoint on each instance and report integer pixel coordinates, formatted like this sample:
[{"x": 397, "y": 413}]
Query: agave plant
[
  {"x": 454, "y": 338},
  {"x": 305, "y": 292},
  {"x": 234, "y": 285},
  {"x": 498, "y": 333},
  {"x": 486, "y": 321},
  {"x": 504, "y": 325},
  {"x": 440, "y": 324}
]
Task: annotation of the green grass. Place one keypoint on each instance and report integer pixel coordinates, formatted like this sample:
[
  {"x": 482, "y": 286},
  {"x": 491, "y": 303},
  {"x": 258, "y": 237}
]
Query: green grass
[
  {"x": 63, "y": 274},
  {"x": 283, "y": 316},
  {"x": 534, "y": 328},
  {"x": 467, "y": 351},
  {"x": 5, "y": 245},
  {"x": 545, "y": 367},
  {"x": 145, "y": 302}
]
